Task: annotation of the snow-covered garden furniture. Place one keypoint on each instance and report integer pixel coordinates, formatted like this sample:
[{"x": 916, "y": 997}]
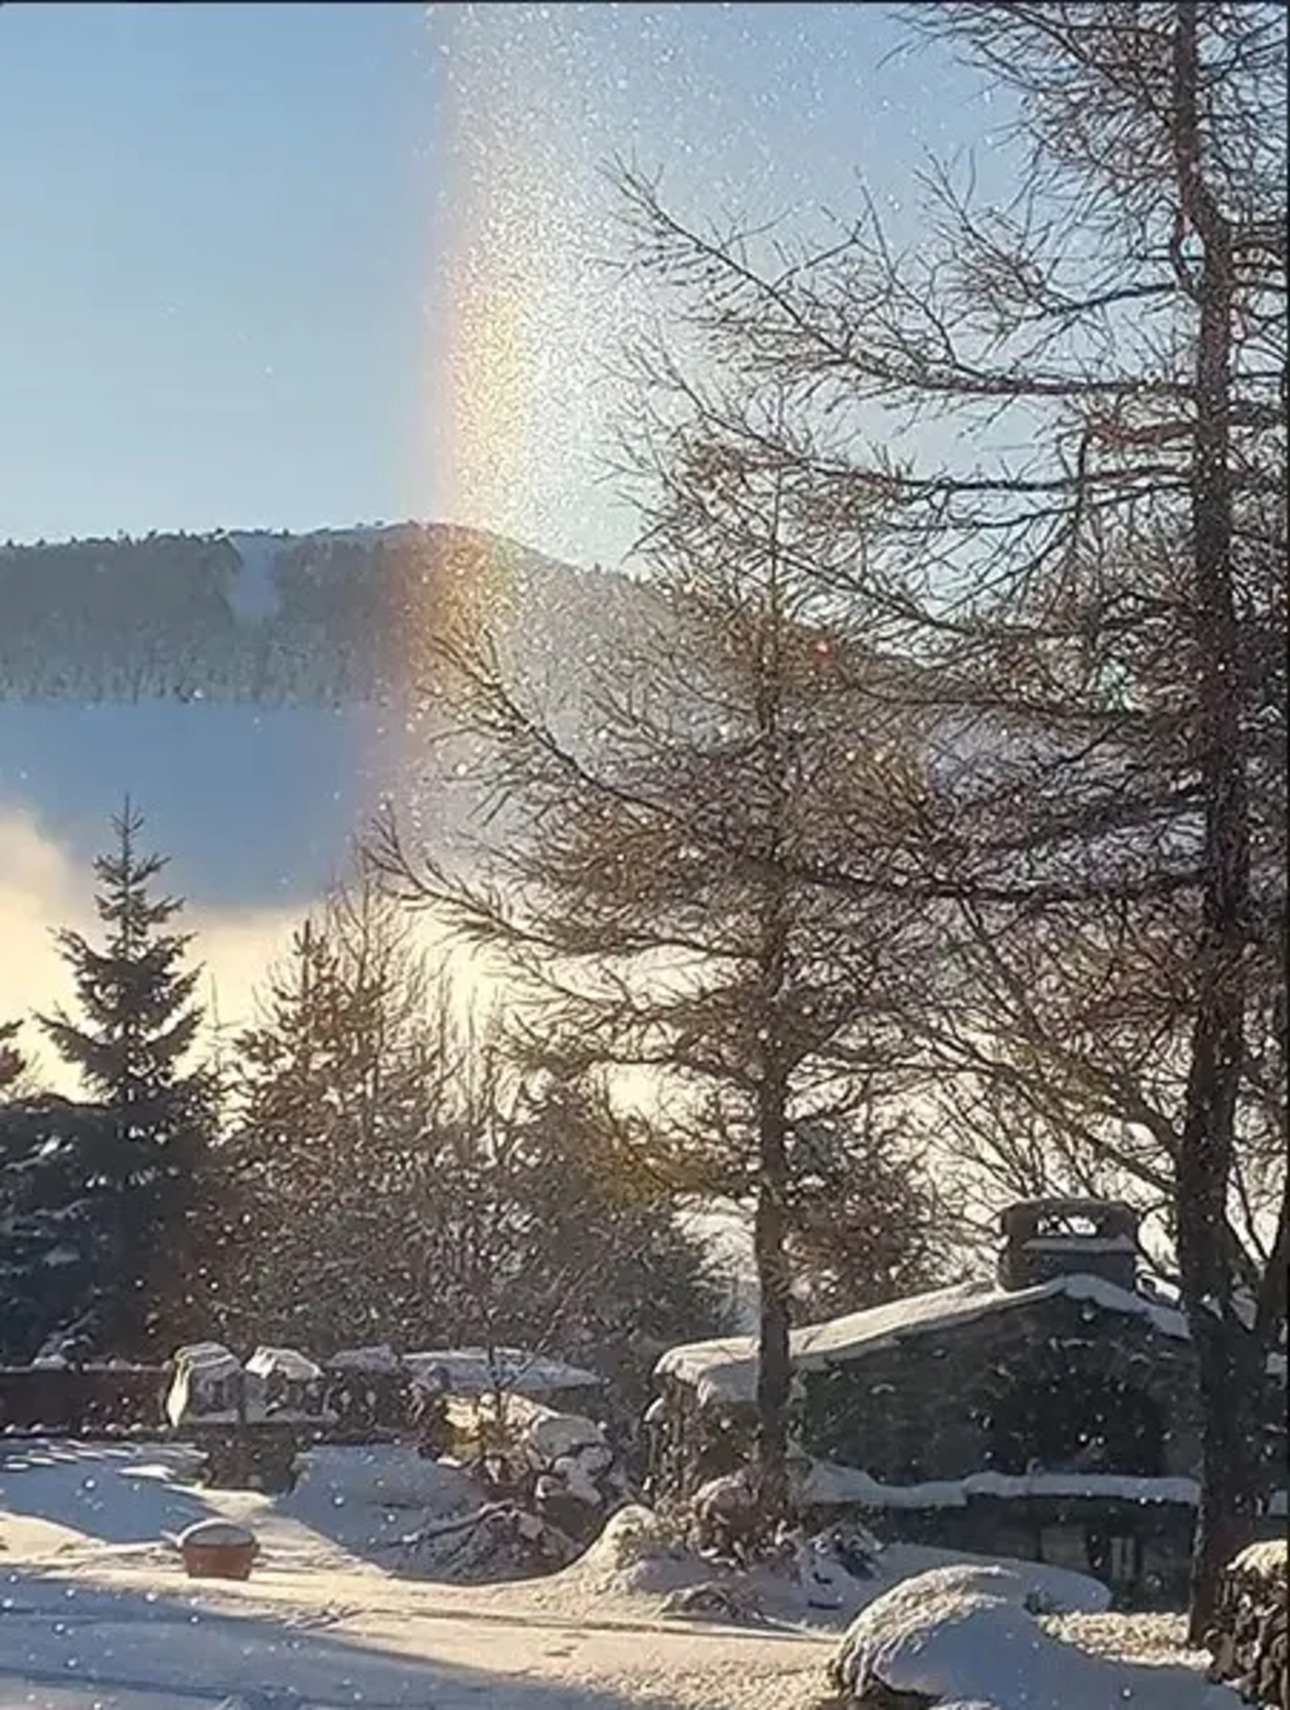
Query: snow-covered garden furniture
[
  {"x": 369, "y": 1390},
  {"x": 1249, "y": 1639},
  {"x": 283, "y": 1382},
  {"x": 208, "y": 1382}
]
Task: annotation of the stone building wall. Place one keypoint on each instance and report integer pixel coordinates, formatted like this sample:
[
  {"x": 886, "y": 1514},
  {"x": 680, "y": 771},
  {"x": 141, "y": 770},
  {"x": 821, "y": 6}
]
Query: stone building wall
[
  {"x": 928, "y": 1407},
  {"x": 941, "y": 1405}
]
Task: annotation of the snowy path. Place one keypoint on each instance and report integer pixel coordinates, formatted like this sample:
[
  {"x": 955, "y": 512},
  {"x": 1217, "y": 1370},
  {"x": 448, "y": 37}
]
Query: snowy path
[
  {"x": 130, "y": 1636},
  {"x": 96, "y": 1613}
]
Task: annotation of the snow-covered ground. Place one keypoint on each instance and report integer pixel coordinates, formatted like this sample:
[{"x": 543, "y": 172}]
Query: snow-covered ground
[{"x": 96, "y": 1614}]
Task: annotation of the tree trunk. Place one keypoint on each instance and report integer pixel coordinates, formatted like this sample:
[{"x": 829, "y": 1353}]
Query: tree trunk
[
  {"x": 774, "y": 1371},
  {"x": 1231, "y": 1383},
  {"x": 1207, "y": 1142}
]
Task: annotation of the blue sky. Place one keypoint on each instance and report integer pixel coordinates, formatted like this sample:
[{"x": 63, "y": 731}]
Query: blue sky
[
  {"x": 253, "y": 252},
  {"x": 308, "y": 265}
]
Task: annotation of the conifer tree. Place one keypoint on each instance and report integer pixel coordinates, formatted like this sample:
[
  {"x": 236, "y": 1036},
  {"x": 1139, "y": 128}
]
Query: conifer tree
[
  {"x": 13, "y": 1064},
  {"x": 134, "y": 993},
  {"x": 138, "y": 1023},
  {"x": 335, "y": 1089},
  {"x": 394, "y": 1175},
  {"x": 59, "y": 1168}
]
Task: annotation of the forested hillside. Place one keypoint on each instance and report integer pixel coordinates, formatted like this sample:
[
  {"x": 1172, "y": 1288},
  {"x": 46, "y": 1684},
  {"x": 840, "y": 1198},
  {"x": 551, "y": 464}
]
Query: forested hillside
[{"x": 335, "y": 617}]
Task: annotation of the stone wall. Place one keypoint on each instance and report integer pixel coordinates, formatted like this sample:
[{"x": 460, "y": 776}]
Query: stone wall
[{"x": 71, "y": 1399}]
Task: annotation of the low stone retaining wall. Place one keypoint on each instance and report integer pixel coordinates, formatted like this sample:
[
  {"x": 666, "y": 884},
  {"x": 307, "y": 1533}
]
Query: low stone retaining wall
[{"x": 86, "y": 1399}]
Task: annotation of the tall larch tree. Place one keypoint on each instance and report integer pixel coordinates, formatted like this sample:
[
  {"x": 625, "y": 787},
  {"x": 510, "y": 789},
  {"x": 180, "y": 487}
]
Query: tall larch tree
[
  {"x": 1053, "y": 431},
  {"x": 642, "y": 879}
]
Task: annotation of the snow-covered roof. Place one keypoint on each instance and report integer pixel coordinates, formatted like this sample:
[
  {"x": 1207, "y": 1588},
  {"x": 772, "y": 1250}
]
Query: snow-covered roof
[
  {"x": 480, "y": 1371},
  {"x": 726, "y": 1371}
]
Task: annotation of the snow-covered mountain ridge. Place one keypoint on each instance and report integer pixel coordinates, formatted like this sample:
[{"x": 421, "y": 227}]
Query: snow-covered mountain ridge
[{"x": 334, "y": 617}]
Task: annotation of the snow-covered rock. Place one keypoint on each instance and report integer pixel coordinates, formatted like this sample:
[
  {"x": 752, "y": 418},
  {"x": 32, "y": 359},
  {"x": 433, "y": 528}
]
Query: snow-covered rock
[
  {"x": 967, "y": 1635},
  {"x": 287, "y": 1364},
  {"x": 551, "y": 1437}
]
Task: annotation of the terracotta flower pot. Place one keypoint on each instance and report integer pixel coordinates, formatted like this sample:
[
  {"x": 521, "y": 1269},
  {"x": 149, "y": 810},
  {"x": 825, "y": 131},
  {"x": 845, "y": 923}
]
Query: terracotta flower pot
[{"x": 218, "y": 1549}]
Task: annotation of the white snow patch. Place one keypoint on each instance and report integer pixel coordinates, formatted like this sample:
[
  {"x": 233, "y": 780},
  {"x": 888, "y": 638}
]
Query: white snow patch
[
  {"x": 826, "y": 1484},
  {"x": 60, "y": 1256},
  {"x": 481, "y": 1371},
  {"x": 209, "y": 1362},
  {"x": 1267, "y": 1559},
  {"x": 380, "y": 1361},
  {"x": 637, "y": 1558},
  {"x": 95, "y": 1609},
  {"x": 287, "y": 1363},
  {"x": 215, "y": 1532},
  {"x": 551, "y": 1436},
  {"x": 366, "y": 1497},
  {"x": 254, "y": 595}
]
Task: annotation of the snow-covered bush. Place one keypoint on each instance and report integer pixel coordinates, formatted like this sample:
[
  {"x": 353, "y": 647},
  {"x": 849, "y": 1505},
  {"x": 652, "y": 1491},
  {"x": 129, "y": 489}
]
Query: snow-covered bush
[
  {"x": 727, "y": 1514},
  {"x": 1250, "y": 1643},
  {"x": 493, "y": 1542},
  {"x": 637, "y": 1534}
]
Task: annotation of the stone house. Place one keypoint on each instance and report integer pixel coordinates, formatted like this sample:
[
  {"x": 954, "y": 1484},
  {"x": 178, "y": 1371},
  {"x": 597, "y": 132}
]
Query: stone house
[{"x": 1052, "y": 1416}]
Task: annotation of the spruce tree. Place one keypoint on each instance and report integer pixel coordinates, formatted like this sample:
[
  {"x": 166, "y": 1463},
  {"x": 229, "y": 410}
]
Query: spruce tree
[
  {"x": 623, "y": 1277},
  {"x": 59, "y": 1164},
  {"x": 13, "y": 1065},
  {"x": 138, "y": 1024}
]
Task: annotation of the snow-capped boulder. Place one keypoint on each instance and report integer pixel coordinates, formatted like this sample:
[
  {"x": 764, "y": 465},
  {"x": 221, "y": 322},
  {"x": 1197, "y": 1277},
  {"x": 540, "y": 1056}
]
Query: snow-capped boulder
[{"x": 968, "y": 1636}]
